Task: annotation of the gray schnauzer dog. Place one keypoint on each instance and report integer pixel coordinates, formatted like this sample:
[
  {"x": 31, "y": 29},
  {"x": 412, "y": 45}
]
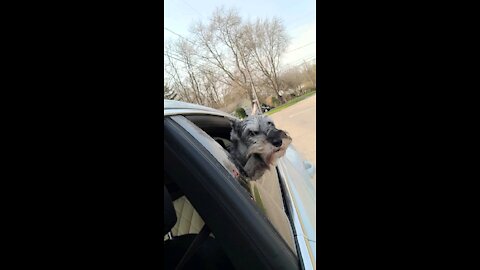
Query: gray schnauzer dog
[{"x": 256, "y": 145}]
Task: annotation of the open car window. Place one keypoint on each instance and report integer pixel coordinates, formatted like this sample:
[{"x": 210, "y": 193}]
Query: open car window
[
  {"x": 209, "y": 143},
  {"x": 213, "y": 132}
]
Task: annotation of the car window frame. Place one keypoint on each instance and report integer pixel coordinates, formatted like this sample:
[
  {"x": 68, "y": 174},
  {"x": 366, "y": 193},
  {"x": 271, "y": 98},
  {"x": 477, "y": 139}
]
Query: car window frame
[
  {"x": 250, "y": 237},
  {"x": 224, "y": 158}
]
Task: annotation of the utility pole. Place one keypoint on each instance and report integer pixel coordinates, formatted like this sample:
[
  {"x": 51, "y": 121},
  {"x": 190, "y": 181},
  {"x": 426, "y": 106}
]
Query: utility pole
[{"x": 256, "y": 102}]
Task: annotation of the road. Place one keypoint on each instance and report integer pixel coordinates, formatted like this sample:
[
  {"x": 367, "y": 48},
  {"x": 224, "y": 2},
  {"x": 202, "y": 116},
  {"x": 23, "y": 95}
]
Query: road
[{"x": 299, "y": 120}]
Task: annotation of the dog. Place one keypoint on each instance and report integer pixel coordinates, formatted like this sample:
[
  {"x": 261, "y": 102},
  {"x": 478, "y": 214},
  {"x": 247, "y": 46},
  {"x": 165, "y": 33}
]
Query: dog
[{"x": 256, "y": 145}]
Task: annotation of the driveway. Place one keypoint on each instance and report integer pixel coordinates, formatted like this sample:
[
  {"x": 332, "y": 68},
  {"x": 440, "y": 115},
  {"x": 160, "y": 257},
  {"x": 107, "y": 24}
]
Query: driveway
[{"x": 299, "y": 120}]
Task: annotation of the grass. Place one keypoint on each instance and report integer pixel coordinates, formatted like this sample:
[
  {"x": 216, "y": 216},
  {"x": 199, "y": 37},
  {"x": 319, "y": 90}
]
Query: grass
[
  {"x": 291, "y": 102},
  {"x": 258, "y": 199}
]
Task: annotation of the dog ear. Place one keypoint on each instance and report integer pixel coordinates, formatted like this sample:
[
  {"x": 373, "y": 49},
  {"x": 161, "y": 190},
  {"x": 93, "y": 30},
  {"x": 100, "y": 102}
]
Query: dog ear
[
  {"x": 235, "y": 134},
  {"x": 234, "y": 123}
]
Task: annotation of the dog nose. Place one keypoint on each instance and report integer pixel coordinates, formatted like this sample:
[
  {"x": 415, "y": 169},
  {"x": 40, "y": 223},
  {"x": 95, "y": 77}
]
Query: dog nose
[{"x": 277, "y": 142}]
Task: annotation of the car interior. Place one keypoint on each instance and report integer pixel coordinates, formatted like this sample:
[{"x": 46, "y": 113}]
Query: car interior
[
  {"x": 182, "y": 223},
  {"x": 216, "y": 126},
  {"x": 188, "y": 242}
]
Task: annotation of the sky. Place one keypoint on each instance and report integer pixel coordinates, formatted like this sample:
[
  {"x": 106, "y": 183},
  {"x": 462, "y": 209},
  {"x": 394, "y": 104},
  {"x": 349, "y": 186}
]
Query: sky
[{"x": 299, "y": 17}]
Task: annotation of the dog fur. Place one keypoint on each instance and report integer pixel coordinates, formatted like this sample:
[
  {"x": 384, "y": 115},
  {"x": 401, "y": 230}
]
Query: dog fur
[{"x": 256, "y": 145}]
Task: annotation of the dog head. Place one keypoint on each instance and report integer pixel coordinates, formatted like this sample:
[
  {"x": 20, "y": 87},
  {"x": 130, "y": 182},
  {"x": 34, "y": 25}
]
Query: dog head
[{"x": 257, "y": 135}]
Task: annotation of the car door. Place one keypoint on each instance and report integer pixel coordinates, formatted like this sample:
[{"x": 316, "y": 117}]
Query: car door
[
  {"x": 266, "y": 191},
  {"x": 207, "y": 177}
]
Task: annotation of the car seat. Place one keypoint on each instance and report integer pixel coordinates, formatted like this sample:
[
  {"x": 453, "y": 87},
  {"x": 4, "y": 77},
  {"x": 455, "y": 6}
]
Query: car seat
[
  {"x": 169, "y": 215},
  {"x": 190, "y": 251}
]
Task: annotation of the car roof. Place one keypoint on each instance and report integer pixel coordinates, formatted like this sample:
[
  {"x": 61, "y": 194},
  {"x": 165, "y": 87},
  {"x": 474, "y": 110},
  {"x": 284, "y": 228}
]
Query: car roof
[{"x": 172, "y": 107}]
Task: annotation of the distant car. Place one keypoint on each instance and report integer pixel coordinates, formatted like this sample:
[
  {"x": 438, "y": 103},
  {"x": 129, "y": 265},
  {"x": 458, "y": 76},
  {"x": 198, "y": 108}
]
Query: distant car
[
  {"x": 211, "y": 221},
  {"x": 266, "y": 108}
]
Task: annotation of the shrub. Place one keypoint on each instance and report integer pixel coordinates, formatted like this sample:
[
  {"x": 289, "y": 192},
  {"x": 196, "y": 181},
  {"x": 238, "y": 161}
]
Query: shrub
[
  {"x": 276, "y": 102},
  {"x": 240, "y": 113}
]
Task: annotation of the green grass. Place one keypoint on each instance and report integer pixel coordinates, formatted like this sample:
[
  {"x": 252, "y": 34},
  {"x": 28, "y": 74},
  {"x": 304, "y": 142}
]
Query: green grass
[
  {"x": 258, "y": 199},
  {"x": 291, "y": 102}
]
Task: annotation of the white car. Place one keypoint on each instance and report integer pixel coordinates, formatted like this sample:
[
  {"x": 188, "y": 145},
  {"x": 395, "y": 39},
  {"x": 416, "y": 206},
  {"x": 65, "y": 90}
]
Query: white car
[{"x": 211, "y": 221}]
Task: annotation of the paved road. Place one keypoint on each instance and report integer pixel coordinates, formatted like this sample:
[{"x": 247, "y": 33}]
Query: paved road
[{"x": 299, "y": 120}]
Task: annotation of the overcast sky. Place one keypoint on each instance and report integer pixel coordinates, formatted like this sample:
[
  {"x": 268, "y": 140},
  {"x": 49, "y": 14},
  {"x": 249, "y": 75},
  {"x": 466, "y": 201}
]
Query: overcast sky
[{"x": 298, "y": 17}]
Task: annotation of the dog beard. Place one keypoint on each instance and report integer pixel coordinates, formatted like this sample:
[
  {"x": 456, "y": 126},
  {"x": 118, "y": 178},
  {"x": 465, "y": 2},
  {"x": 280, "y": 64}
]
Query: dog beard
[
  {"x": 269, "y": 153},
  {"x": 280, "y": 152}
]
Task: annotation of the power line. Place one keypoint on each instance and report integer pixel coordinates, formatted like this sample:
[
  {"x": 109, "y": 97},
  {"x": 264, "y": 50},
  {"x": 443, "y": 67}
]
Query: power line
[
  {"x": 300, "y": 60},
  {"x": 284, "y": 68},
  {"x": 297, "y": 62},
  {"x": 294, "y": 23},
  {"x": 171, "y": 31},
  {"x": 183, "y": 61},
  {"x": 291, "y": 65},
  {"x": 169, "y": 55},
  {"x": 308, "y": 44},
  {"x": 186, "y": 3}
]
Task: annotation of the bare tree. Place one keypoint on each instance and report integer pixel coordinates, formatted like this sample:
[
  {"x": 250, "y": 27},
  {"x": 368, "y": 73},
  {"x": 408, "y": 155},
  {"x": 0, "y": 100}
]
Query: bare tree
[
  {"x": 185, "y": 52},
  {"x": 199, "y": 79},
  {"x": 173, "y": 69},
  {"x": 224, "y": 56},
  {"x": 222, "y": 44},
  {"x": 169, "y": 93},
  {"x": 299, "y": 78},
  {"x": 211, "y": 85},
  {"x": 268, "y": 40}
]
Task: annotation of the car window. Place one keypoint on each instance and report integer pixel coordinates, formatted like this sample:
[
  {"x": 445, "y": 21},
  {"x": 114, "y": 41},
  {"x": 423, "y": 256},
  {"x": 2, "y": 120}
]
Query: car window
[
  {"x": 265, "y": 191},
  {"x": 209, "y": 143}
]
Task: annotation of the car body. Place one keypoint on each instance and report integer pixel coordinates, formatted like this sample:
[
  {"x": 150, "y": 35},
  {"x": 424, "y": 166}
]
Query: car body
[
  {"x": 271, "y": 227},
  {"x": 266, "y": 108}
]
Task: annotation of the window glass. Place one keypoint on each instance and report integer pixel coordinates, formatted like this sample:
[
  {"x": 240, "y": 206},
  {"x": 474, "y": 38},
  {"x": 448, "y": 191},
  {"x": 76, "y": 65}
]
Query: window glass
[{"x": 266, "y": 192}]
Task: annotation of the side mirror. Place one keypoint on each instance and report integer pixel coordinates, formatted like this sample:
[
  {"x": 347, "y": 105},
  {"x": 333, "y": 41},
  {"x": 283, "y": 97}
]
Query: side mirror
[{"x": 309, "y": 168}]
